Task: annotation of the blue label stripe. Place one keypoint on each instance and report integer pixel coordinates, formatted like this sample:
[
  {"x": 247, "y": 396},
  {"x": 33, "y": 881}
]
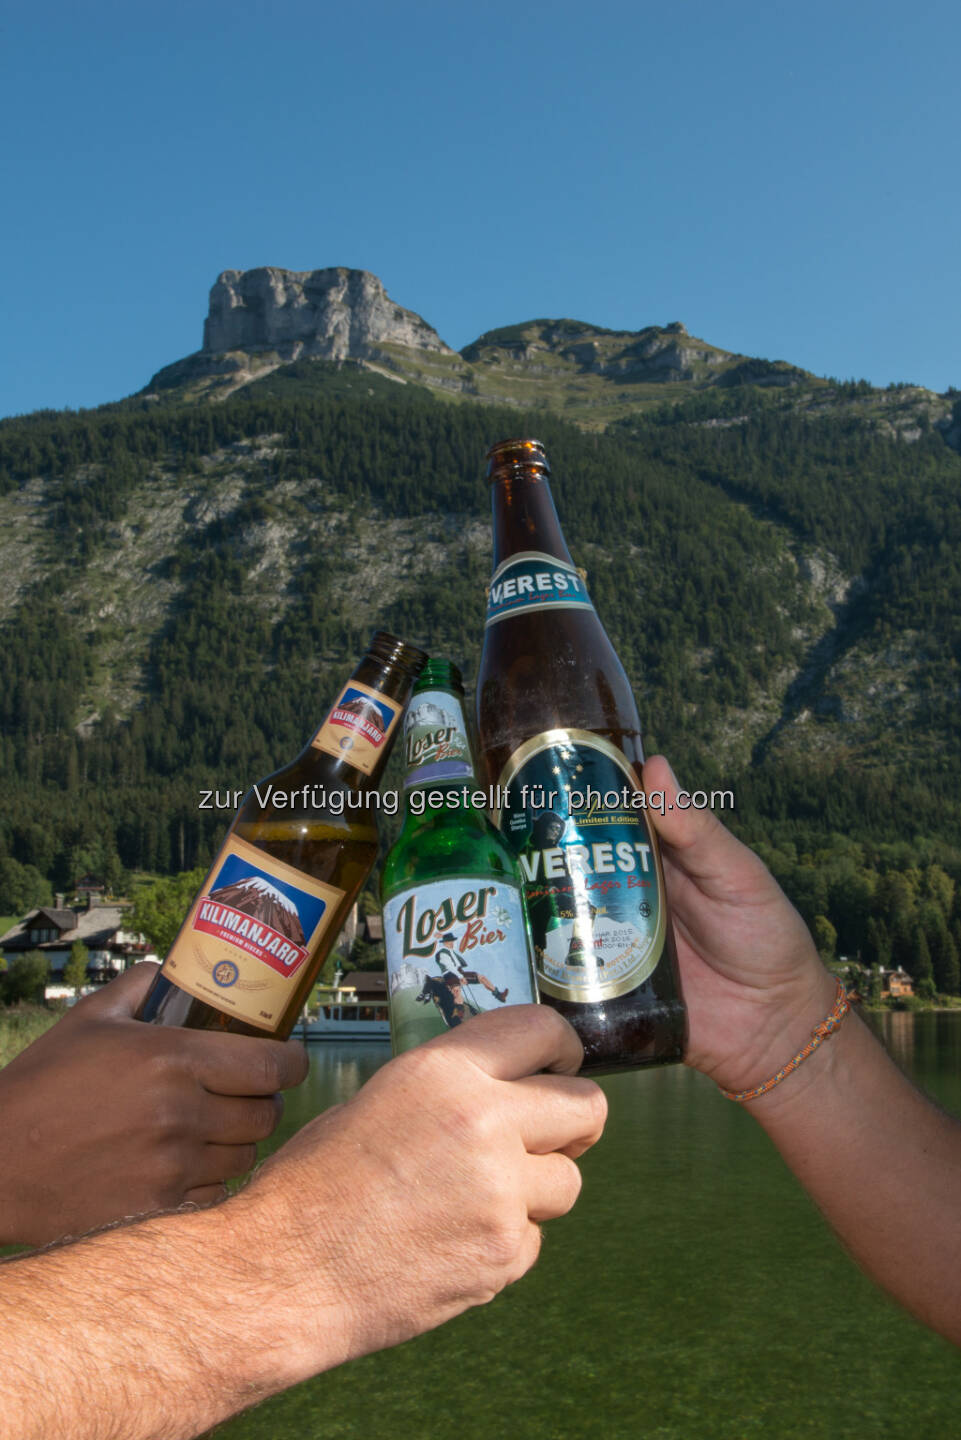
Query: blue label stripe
[
  {"x": 438, "y": 772},
  {"x": 532, "y": 581}
]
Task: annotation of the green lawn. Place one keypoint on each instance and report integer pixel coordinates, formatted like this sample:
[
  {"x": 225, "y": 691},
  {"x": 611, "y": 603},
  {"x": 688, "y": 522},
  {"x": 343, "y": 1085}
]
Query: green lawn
[{"x": 20, "y": 1026}]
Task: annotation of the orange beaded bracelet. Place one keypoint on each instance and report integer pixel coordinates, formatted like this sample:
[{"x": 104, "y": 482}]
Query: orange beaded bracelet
[{"x": 821, "y": 1032}]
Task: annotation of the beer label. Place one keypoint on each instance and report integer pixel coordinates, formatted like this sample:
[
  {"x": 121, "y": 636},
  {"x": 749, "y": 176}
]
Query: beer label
[
  {"x": 573, "y": 813},
  {"x": 358, "y": 727},
  {"x": 436, "y": 746},
  {"x": 455, "y": 948},
  {"x": 531, "y": 580},
  {"x": 249, "y": 934}
]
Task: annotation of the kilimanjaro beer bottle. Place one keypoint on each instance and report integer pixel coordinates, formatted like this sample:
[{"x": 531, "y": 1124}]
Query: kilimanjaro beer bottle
[
  {"x": 559, "y": 733},
  {"x": 301, "y": 846},
  {"x": 454, "y": 923}
]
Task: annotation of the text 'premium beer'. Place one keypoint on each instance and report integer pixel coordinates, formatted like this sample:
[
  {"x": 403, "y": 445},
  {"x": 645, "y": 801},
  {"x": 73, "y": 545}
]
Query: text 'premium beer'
[
  {"x": 560, "y": 734},
  {"x": 301, "y": 846},
  {"x": 454, "y": 923}
]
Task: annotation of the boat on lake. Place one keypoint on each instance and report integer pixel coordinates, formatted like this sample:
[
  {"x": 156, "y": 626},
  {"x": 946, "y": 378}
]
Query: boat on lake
[{"x": 353, "y": 1008}]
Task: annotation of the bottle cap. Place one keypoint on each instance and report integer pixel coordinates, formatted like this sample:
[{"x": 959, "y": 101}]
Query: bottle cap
[{"x": 508, "y": 455}]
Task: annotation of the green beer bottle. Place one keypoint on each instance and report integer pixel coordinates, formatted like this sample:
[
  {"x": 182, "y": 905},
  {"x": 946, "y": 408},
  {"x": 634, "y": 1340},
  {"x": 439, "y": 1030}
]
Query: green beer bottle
[{"x": 455, "y": 929}]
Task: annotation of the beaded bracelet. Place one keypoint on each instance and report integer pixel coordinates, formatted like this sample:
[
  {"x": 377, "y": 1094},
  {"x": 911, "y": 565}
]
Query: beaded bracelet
[{"x": 821, "y": 1032}]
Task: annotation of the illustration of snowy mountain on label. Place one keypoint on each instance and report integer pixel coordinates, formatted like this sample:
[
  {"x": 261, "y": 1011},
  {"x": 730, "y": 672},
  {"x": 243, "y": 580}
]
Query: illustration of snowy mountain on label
[
  {"x": 430, "y": 716},
  {"x": 257, "y": 897},
  {"x": 365, "y": 711}
]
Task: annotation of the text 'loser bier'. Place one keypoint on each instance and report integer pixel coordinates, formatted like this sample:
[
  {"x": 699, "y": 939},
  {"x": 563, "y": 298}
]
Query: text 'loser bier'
[{"x": 559, "y": 731}]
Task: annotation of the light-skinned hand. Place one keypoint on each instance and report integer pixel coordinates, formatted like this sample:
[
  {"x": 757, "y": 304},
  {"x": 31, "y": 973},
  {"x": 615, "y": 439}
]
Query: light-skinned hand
[
  {"x": 752, "y": 979},
  {"x": 424, "y": 1194}
]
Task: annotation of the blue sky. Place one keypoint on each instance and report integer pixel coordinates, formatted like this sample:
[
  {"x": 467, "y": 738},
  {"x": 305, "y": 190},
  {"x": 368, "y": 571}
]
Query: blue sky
[{"x": 783, "y": 179}]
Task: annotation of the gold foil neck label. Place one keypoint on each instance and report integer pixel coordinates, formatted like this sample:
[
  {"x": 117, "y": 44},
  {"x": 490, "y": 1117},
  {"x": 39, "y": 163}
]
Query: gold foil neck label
[
  {"x": 359, "y": 726},
  {"x": 254, "y": 926}
]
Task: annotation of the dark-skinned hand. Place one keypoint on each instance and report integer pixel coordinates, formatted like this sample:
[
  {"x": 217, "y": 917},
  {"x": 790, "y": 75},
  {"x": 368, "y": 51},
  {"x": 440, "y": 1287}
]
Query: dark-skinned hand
[{"x": 105, "y": 1117}]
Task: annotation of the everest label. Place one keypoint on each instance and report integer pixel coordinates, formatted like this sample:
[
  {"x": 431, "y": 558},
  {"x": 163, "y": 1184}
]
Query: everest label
[
  {"x": 533, "y": 581},
  {"x": 592, "y": 877}
]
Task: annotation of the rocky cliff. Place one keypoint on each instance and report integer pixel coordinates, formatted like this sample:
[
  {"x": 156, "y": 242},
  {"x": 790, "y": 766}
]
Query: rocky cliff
[
  {"x": 333, "y": 314},
  {"x": 261, "y": 320}
]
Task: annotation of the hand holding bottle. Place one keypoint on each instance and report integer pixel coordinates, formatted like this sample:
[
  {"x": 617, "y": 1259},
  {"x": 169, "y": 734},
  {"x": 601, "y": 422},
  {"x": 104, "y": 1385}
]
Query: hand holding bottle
[
  {"x": 882, "y": 1163},
  {"x": 422, "y": 1195},
  {"x": 382, "y": 1218},
  {"x": 754, "y": 984},
  {"x": 102, "y": 1118}
]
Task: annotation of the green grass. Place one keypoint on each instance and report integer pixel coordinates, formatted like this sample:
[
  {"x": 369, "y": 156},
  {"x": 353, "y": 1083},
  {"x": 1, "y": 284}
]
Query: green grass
[
  {"x": 20, "y": 1026},
  {"x": 693, "y": 1294}
]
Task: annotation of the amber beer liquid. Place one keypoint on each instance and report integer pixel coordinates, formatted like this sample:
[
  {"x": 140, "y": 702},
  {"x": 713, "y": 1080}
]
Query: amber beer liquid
[
  {"x": 559, "y": 732},
  {"x": 295, "y": 857}
]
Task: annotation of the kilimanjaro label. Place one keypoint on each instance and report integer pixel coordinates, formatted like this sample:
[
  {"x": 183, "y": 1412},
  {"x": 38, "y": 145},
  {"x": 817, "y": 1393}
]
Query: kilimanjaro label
[
  {"x": 534, "y": 581},
  {"x": 251, "y": 930},
  {"x": 358, "y": 727},
  {"x": 436, "y": 747},
  {"x": 592, "y": 874},
  {"x": 455, "y": 948}
]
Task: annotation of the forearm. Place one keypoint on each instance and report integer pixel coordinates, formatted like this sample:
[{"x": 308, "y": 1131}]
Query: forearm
[
  {"x": 155, "y": 1331},
  {"x": 882, "y": 1162}
]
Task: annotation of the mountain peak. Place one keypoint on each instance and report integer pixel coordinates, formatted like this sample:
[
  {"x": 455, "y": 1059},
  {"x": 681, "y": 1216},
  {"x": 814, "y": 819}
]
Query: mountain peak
[{"x": 331, "y": 314}]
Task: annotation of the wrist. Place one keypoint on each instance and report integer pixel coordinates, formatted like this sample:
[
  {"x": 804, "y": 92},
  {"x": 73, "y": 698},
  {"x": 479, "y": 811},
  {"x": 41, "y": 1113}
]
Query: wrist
[
  {"x": 293, "y": 1321},
  {"x": 783, "y": 1020}
]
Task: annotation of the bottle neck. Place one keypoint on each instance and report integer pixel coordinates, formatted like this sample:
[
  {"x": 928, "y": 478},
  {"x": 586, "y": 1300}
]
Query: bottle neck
[
  {"x": 437, "y": 748},
  {"x": 354, "y": 742},
  {"x": 525, "y": 517}
]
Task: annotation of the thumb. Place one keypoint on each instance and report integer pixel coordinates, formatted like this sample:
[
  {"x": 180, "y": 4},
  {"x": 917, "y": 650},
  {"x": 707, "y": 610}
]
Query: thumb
[
  {"x": 697, "y": 842},
  {"x": 122, "y": 997}
]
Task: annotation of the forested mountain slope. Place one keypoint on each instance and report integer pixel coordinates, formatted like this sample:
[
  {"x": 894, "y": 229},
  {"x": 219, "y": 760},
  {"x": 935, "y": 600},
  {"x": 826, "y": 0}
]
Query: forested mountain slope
[{"x": 185, "y": 584}]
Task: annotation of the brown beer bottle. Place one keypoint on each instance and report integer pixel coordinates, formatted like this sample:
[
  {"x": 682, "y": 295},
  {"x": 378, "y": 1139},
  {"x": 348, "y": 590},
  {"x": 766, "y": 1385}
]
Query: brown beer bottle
[
  {"x": 301, "y": 846},
  {"x": 560, "y": 737}
]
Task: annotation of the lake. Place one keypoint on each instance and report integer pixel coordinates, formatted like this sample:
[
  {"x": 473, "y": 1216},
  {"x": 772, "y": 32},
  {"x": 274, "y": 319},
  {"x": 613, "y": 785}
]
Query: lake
[{"x": 693, "y": 1294}]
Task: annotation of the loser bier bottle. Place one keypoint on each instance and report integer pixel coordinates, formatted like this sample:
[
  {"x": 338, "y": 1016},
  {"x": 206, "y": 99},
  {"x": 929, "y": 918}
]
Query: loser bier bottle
[
  {"x": 301, "y": 846},
  {"x": 454, "y": 923},
  {"x": 559, "y": 732}
]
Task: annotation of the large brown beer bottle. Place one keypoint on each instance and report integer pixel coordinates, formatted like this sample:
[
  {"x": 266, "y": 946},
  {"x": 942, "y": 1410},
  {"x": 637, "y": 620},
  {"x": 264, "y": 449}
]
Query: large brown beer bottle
[
  {"x": 301, "y": 846},
  {"x": 559, "y": 734}
]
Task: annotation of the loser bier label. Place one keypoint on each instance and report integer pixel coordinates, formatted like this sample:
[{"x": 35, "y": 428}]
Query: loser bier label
[
  {"x": 455, "y": 948},
  {"x": 359, "y": 726},
  {"x": 436, "y": 747},
  {"x": 251, "y": 930},
  {"x": 574, "y": 815}
]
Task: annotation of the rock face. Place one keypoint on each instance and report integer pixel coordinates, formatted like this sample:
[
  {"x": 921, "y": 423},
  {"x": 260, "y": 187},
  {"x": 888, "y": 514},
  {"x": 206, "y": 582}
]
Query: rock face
[
  {"x": 333, "y": 314},
  {"x": 655, "y": 353}
]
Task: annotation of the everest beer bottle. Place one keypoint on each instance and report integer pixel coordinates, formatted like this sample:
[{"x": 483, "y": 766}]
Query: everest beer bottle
[
  {"x": 559, "y": 733},
  {"x": 301, "y": 846},
  {"x": 454, "y": 922}
]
